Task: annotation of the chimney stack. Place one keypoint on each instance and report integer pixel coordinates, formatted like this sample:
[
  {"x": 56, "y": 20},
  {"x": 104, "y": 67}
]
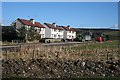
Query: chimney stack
[
  {"x": 32, "y": 20},
  {"x": 54, "y": 24},
  {"x": 68, "y": 26}
]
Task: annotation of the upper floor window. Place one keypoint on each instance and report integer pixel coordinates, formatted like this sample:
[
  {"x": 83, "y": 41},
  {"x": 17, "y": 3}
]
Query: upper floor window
[
  {"x": 55, "y": 29},
  {"x": 42, "y": 29},
  {"x": 58, "y": 36},
  {"x": 52, "y": 29},
  {"x": 54, "y": 35},
  {"x": 60, "y": 30}
]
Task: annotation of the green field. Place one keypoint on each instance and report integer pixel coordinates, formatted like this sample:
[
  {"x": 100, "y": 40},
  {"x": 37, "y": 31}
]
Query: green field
[{"x": 97, "y": 45}]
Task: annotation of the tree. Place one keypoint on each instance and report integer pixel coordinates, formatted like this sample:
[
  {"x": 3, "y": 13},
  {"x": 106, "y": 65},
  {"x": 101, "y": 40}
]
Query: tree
[
  {"x": 107, "y": 37},
  {"x": 21, "y": 32},
  {"x": 79, "y": 37},
  {"x": 29, "y": 34},
  {"x": 8, "y": 33}
]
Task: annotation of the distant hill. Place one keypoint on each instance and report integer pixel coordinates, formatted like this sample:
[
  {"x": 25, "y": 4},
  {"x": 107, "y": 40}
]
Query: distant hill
[
  {"x": 113, "y": 33},
  {"x": 94, "y": 30}
]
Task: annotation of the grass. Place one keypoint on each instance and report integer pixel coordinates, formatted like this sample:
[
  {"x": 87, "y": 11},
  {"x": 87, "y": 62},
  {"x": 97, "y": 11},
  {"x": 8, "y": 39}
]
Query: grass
[
  {"x": 103, "y": 45},
  {"x": 6, "y": 43},
  {"x": 90, "y": 51}
]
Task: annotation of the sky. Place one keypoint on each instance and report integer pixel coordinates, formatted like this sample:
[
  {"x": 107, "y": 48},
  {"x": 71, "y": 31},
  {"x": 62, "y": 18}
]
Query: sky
[
  {"x": 60, "y": 0},
  {"x": 75, "y": 14}
]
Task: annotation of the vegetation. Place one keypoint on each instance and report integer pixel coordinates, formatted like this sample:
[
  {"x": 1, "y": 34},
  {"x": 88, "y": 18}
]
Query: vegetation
[
  {"x": 28, "y": 34},
  {"x": 80, "y": 60},
  {"x": 72, "y": 52},
  {"x": 111, "y": 34},
  {"x": 9, "y": 33},
  {"x": 79, "y": 37},
  {"x": 97, "y": 45}
]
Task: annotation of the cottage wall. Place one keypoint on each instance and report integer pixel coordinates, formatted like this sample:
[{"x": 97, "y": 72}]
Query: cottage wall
[
  {"x": 18, "y": 24},
  {"x": 47, "y": 32}
]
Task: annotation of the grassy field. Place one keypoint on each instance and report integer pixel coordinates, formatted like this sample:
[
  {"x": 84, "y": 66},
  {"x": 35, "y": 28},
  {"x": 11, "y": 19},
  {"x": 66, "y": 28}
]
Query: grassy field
[
  {"x": 91, "y": 51},
  {"x": 97, "y": 45}
]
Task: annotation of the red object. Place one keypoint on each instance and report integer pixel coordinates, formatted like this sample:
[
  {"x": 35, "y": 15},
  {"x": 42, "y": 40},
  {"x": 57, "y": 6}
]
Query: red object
[
  {"x": 109, "y": 41},
  {"x": 100, "y": 39},
  {"x": 27, "y": 22}
]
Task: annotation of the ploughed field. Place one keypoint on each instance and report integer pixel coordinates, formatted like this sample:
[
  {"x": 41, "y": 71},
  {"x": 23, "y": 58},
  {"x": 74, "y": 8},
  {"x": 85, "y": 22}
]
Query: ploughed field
[
  {"x": 72, "y": 61},
  {"x": 39, "y": 68}
]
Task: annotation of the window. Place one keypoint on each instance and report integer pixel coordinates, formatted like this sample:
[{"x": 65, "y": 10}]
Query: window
[
  {"x": 54, "y": 35},
  {"x": 59, "y": 30},
  {"x": 41, "y": 29},
  {"x": 68, "y": 36},
  {"x": 58, "y": 36},
  {"x": 55, "y": 29},
  {"x": 43, "y": 35}
]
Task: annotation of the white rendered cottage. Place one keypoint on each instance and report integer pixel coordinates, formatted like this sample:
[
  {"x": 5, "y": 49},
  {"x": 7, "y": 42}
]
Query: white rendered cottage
[
  {"x": 69, "y": 33},
  {"x": 53, "y": 31},
  {"x": 28, "y": 24}
]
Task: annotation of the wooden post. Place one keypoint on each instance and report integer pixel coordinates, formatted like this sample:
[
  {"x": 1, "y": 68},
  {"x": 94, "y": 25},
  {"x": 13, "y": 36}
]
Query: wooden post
[
  {"x": 107, "y": 53},
  {"x": 107, "y": 56},
  {"x": 34, "y": 52}
]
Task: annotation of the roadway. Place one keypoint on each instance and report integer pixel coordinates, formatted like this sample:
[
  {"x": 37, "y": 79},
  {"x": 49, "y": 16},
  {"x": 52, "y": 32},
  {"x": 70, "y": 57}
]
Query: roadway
[{"x": 43, "y": 44}]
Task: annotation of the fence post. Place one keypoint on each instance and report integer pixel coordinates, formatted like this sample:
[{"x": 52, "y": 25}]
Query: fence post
[
  {"x": 6, "y": 55},
  {"x": 34, "y": 52},
  {"x": 107, "y": 56},
  {"x": 107, "y": 53},
  {"x": 19, "y": 52},
  {"x": 82, "y": 55}
]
